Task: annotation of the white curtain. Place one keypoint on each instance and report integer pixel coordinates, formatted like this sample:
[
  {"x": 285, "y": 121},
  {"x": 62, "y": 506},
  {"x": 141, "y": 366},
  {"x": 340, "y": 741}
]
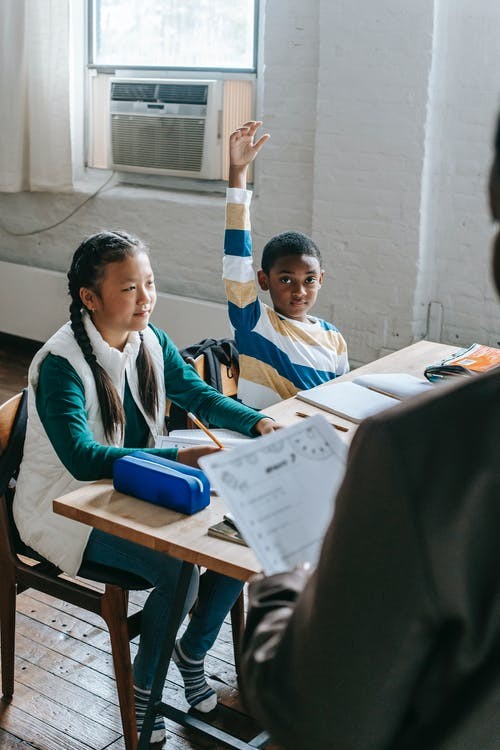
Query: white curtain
[{"x": 35, "y": 113}]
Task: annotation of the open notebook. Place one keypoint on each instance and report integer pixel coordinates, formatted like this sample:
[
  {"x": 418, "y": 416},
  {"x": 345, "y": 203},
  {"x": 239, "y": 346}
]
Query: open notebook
[{"x": 365, "y": 395}]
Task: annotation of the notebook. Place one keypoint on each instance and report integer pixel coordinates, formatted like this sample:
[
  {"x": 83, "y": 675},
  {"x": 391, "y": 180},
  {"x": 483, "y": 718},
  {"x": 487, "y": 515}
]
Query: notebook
[
  {"x": 348, "y": 400},
  {"x": 397, "y": 384}
]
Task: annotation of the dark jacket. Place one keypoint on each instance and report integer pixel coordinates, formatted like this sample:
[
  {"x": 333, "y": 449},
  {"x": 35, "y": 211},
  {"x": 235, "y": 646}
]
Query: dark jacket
[{"x": 394, "y": 641}]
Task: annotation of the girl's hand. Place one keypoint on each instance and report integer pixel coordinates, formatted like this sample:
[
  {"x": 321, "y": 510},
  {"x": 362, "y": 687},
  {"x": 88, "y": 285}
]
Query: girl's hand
[
  {"x": 190, "y": 456},
  {"x": 242, "y": 149},
  {"x": 266, "y": 426}
]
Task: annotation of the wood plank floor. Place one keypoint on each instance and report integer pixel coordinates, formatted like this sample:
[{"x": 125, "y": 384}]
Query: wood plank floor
[{"x": 65, "y": 696}]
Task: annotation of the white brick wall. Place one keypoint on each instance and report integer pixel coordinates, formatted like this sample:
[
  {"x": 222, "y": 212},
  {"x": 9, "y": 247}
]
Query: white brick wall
[
  {"x": 463, "y": 102},
  {"x": 374, "y": 62},
  {"x": 381, "y": 116}
]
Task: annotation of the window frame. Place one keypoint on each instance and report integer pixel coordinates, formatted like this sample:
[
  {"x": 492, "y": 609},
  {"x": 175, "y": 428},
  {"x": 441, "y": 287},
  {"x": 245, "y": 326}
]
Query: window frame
[{"x": 100, "y": 68}]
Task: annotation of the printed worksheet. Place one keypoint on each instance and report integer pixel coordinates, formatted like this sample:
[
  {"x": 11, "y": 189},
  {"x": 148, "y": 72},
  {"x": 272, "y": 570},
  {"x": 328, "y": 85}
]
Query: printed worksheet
[{"x": 281, "y": 490}]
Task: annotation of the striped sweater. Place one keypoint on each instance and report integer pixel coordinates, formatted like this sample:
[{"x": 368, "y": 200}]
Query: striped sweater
[{"x": 278, "y": 356}]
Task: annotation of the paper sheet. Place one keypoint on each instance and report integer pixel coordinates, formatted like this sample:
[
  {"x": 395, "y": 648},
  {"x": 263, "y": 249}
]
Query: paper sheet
[
  {"x": 187, "y": 438},
  {"x": 281, "y": 490}
]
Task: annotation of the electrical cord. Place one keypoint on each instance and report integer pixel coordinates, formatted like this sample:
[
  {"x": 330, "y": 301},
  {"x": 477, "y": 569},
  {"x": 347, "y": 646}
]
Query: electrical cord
[{"x": 61, "y": 221}]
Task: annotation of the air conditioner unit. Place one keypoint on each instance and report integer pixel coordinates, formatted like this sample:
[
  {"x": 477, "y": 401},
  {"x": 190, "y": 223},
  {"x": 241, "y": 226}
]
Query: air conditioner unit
[{"x": 165, "y": 126}]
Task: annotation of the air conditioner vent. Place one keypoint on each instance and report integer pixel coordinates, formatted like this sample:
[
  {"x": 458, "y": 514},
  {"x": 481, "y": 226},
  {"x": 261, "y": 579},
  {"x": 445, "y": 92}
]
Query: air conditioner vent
[
  {"x": 158, "y": 142},
  {"x": 133, "y": 92},
  {"x": 182, "y": 94},
  {"x": 165, "y": 126}
]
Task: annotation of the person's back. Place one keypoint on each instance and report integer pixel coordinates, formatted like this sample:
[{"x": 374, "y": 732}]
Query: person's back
[
  {"x": 283, "y": 349},
  {"x": 399, "y": 629},
  {"x": 394, "y": 642}
]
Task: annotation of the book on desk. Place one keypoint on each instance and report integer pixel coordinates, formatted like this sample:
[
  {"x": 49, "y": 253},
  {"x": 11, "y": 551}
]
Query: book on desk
[{"x": 365, "y": 395}]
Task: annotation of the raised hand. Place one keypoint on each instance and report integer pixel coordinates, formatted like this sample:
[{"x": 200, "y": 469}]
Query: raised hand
[{"x": 242, "y": 147}]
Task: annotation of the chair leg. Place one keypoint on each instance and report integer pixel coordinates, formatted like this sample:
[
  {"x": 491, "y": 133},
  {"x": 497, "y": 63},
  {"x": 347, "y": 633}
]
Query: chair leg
[
  {"x": 114, "y": 605},
  {"x": 238, "y": 628},
  {"x": 8, "y": 635}
]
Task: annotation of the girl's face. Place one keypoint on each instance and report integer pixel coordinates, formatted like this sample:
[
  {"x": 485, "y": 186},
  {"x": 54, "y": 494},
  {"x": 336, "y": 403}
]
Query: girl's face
[{"x": 124, "y": 300}]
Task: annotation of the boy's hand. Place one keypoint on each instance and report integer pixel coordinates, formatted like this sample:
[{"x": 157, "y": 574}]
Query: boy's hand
[{"x": 242, "y": 149}]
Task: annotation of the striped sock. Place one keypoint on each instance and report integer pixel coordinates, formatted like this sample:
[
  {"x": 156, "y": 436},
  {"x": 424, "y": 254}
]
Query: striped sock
[
  {"x": 141, "y": 701},
  {"x": 198, "y": 692}
]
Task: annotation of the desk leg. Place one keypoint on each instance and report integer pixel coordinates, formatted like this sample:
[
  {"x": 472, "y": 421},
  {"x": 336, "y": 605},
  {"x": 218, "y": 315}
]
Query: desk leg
[
  {"x": 156, "y": 706},
  {"x": 174, "y": 622}
]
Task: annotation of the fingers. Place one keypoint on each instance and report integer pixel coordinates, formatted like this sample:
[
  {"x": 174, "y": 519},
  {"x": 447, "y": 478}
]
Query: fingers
[
  {"x": 258, "y": 144},
  {"x": 249, "y": 129}
]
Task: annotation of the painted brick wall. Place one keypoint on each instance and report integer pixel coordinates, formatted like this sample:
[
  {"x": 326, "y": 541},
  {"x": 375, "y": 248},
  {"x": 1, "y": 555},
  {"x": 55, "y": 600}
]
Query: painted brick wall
[
  {"x": 372, "y": 95},
  {"x": 456, "y": 230},
  {"x": 381, "y": 116}
]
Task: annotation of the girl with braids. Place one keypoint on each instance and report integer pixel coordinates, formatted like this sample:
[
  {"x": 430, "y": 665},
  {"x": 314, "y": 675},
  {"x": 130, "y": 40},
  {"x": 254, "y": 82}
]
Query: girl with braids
[{"x": 98, "y": 391}]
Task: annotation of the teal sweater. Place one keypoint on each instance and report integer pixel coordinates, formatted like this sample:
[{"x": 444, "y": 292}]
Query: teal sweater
[{"x": 60, "y": 402}]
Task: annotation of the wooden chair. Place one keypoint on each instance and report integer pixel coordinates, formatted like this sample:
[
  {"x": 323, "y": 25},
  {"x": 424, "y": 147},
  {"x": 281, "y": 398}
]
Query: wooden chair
[
  {"x": 22, "y": 569},
  {"x": 229, "y": 379}
]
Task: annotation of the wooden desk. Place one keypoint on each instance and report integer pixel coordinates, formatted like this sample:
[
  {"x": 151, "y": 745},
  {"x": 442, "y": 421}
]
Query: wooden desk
[
  {"x": 412, "y": 360},
  {"x": 185, "y": 537}
]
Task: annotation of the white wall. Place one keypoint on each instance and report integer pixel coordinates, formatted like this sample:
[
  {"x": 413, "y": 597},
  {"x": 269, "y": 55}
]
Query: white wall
[
  {"x": 374, "y": 65},
  {"x": 456, "y": 230},
  {"x": 381, "y": 116}
]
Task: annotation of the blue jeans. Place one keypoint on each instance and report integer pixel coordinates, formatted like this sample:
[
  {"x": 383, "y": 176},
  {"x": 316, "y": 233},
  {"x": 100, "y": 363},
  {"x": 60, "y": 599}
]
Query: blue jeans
[{"x": 216, "y": 595}]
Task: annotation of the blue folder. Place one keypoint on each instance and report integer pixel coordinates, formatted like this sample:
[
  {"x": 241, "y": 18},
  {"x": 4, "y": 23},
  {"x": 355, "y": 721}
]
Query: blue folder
[{"x": 162, "y": 482}]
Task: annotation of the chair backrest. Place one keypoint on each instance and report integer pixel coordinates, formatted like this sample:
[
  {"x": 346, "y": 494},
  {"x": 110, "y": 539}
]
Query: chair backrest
[
  {"x": 217, "y": 363},
  {"x": 13, "y": 418}
]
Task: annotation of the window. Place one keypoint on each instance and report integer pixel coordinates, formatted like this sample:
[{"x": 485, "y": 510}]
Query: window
[
  {"x": 149, "y": 63},
  {"x": 192, "y": 34}
]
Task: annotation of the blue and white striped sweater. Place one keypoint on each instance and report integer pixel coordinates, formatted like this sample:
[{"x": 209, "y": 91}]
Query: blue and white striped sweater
[{"x": 278, "y": 356}]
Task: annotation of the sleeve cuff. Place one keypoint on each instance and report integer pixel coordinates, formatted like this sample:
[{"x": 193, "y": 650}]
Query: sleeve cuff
[{"x": 238, "y": 195}]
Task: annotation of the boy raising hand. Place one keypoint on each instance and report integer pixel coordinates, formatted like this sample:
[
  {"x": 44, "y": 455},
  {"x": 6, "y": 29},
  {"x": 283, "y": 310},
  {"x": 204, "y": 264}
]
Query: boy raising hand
[{"x": 282, "y": 348}]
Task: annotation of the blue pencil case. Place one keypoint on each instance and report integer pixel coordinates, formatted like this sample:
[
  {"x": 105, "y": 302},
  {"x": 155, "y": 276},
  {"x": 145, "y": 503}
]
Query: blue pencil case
[{"x": 162, "y": 482}]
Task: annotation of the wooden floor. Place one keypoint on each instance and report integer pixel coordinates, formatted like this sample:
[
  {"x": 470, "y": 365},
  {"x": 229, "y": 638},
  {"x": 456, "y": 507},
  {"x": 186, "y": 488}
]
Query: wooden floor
[{"x": 65, "y": 697}]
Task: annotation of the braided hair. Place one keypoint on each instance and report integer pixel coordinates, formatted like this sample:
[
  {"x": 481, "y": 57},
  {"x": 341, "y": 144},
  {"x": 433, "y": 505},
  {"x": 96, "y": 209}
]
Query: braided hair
[{"x": 87, "y": 270}]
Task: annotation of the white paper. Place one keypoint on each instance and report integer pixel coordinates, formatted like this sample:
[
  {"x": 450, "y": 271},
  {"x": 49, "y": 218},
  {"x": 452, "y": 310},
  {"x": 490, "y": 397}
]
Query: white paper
[
  {"x": 281, "y": 490},
  {"x": 187, "y": 438}
]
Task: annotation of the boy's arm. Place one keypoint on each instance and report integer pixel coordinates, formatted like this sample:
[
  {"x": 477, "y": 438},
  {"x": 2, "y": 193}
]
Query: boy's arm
[{"x": 238, "y": 272}]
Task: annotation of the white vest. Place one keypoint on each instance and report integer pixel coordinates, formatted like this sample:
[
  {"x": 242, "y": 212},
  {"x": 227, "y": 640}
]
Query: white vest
[{"x": 43, "y": 477}]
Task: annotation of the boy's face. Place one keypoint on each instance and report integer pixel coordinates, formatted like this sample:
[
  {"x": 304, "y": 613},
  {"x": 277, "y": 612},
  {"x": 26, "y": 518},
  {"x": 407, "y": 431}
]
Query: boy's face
[{"x": 293, "y": 283}]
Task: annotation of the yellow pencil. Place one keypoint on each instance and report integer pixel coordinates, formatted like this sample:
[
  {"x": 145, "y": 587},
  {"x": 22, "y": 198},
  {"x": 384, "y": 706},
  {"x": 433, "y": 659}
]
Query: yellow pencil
[{"x": 205, "y": 430}]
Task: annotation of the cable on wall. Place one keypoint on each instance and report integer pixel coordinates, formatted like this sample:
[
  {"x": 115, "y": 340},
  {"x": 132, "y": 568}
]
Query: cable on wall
[{"x": 61, "y": 221}]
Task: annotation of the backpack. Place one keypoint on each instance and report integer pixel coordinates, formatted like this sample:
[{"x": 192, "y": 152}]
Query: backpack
[{"x": 217, "y": 354}]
